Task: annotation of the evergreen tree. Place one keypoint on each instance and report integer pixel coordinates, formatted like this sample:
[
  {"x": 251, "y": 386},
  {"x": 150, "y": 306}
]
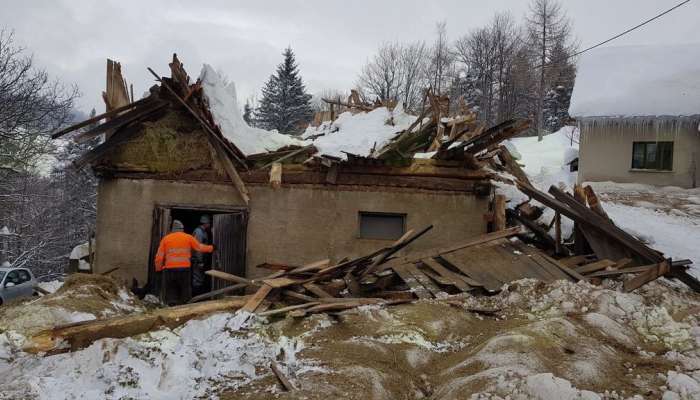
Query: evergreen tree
[
  {"x": 285, "y": 105},
  {"x": 248, "y": 114}
]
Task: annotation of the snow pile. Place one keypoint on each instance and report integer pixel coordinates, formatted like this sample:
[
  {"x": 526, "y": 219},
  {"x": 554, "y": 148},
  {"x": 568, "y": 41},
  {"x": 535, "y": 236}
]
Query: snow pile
[
  {"x": 81, "y": 297},
  {"x": 51, "y": 286},
  {"x": 638, "y": 81},
  {"x": 223, "y": 105},
  {"x": 545, "y": 162},
  {"x": 359, "y": 133},
  {"x": 81, "y": 254},
  {"x": 197, "y": 360}
]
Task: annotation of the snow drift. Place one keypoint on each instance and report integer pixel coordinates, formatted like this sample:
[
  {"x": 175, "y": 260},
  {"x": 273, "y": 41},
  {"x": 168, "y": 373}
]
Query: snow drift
[
  {"x": 359, "y": 133},
  {"x": 223, "y": 105}
]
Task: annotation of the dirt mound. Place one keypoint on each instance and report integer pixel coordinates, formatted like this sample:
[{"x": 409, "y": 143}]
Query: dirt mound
[
  {"x": 82, "y": 297},
  {"x": 534, "y": 340}
]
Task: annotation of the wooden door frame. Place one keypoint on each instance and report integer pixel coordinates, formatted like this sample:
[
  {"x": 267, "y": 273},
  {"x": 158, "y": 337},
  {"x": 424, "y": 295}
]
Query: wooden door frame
[{"x": 219, "y": 208}]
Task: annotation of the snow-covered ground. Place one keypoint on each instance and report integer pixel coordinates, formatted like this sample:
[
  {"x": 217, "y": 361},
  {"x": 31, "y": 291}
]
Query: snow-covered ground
[{"x": 667, "y": 218}]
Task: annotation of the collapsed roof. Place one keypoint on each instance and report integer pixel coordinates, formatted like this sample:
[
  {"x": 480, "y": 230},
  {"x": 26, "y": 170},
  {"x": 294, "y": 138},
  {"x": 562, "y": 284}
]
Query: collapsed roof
[{"x": 372, "y": 135}]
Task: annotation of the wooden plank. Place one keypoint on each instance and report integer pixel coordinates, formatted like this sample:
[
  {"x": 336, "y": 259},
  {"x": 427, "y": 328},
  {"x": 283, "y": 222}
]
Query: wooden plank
[
  {"x": 282, "y": 282},
  {"x": 512, "y": 266},
  {"x": 603, "y": 225},
  {"x": 594, "y": 202},
  {"x": 499, "y": 212},
  {"x": 411, "y": 281},
  {"x": 280, "y": 376},
  {"x": 313, "y": 288},
  {"x": 488, "y": 237},
  {"x": 539, "y": 231},
  {"x": 621, "y": 271},
  {"x": 647, "y": 276},
  {"x": 475, "y": 272},
  {"x": 574, "y": 260},
  {"x": 284, "y": 310},
  {"x": 564, "y": 268},
  {"x": 314, "y": 266},
  {"x": 553, "y": 269},
  {"x": 257, "y": 298},
  {"x": 594, "y": 266},
  {"x": 218, "y": 292},
  {"x": 99, "y": 117},
  {"x": 460, "y": 281},
  {"x": 228, "y": 277},
  {"x": 423, "y": 279}
]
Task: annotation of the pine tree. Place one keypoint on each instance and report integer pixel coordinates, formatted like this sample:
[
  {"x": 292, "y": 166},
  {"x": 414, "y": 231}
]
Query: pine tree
[
  {"x": 248, "y": 114},
  {"x": 285, "y": 105}
]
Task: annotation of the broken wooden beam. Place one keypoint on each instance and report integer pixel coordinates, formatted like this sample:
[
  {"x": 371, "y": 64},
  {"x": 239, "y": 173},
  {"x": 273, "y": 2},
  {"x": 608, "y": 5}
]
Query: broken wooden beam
[{"x": 78, "y": 335}]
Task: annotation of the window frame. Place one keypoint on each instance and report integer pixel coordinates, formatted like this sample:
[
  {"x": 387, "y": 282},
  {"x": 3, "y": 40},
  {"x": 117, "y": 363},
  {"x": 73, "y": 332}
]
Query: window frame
[
  {"x": 659, "y": 153},
  {"x": 361, "y": 214}
]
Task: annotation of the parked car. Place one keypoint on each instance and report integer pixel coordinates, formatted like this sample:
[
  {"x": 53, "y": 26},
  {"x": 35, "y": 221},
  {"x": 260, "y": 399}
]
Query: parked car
[{"x": 16, "y": 283}]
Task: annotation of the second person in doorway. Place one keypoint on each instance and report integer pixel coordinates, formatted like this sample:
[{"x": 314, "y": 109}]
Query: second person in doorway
[{"x": 199, "y": 259}]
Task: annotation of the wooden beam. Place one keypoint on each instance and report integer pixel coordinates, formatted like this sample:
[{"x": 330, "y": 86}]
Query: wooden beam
[
  {"x": 218, "y": 292},
  {"x": 499, "y": 212},
  {"x": 228, "y": 277},
  {"x": 82, "y": 334},
  {"x": 649, "y": 275},
  {"x": 257, "y": 298},
  {"x": 594, "y": 266},
  {"x": 100, "y": 117},
  {"x": 276, "y": 175}
]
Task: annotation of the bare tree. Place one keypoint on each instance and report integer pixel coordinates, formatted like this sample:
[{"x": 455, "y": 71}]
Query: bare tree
[
  {"x": 547, "y": 25},
  {"x": 487, "y": 56},
  {"x": 381, "y": 76},
  {"x": 31, "y": 106},
  {"x": 441, "y": 59},
  {"x": 414, "y": 58}
]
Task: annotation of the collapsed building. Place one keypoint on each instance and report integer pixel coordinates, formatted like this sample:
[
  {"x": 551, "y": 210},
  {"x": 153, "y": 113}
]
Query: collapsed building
[
  {"x": 176, "y": 154},
  {"x": 433, "y": 206}
]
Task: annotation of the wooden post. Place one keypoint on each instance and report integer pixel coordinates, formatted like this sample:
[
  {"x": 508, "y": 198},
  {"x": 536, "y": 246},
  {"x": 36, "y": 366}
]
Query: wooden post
[
  {"x": 499, "y": 212},
  {"x": 581, "y": 245},
  {"x": 276, "y": 175},
  {"x": 557, "y": 233}
]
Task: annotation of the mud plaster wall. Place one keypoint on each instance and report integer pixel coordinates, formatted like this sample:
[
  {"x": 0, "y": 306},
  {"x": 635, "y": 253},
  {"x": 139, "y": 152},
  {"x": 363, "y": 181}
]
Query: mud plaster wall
[
  {"x": 605, "y": 154},
  {"x": 125, "y": 216},
  {"x": 299, "y": 224},
  {"x": 294, "y": 224}
]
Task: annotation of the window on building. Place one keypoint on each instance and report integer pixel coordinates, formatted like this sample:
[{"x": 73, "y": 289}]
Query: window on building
[
  {"x": 652, "y": 155},
  {"x": 382, "y": 225}
]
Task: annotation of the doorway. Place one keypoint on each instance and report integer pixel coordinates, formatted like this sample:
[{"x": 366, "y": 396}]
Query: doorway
[{"x": 227, "y": 233}]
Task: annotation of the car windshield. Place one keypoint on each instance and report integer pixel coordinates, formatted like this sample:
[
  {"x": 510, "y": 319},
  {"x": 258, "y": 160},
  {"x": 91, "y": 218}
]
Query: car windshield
[{"x": 2, "y": 275}]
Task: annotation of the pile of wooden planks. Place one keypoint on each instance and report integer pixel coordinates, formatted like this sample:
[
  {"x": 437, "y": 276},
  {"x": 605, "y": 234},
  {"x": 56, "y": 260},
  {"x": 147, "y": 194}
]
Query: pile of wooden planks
[
  {"x": 598, "y": 248},
  {"x": 480, "y": 265}
]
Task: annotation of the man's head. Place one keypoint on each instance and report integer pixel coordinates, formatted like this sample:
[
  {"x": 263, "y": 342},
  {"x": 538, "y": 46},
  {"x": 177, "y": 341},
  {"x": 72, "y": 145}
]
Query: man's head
[
  {"x": 177, "y": 226},
  {"x": 205, "y": 221}
]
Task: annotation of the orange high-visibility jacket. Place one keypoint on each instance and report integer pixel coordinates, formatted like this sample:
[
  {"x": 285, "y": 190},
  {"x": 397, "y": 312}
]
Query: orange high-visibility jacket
[{"x": 175, "y": 250}]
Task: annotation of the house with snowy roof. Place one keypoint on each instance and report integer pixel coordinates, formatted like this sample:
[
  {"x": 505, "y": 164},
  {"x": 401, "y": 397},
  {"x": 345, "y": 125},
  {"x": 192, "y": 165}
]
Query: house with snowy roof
[
  {"x": 184, "y": 151},
  {"x": 638, "y": 109}
]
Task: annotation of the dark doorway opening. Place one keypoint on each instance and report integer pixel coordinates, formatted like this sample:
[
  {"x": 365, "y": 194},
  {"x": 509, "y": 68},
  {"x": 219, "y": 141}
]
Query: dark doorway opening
[{"x": 227, "y": 233}]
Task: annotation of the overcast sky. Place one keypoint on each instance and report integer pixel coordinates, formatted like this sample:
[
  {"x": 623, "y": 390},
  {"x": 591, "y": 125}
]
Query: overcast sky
[{"x": 72, "y": 38}]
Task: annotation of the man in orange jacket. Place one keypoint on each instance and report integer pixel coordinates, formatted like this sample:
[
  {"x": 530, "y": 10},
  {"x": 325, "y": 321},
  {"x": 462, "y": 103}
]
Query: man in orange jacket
[{"x": 173, "y": 259}]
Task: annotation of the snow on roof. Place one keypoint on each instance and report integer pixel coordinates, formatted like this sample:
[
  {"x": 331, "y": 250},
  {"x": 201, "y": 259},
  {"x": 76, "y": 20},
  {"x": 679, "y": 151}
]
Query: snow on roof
[
  {"x": 359, "y": 133},
  {"x": 638, "y": 81},
  {"x": 223, "y": 105}
]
